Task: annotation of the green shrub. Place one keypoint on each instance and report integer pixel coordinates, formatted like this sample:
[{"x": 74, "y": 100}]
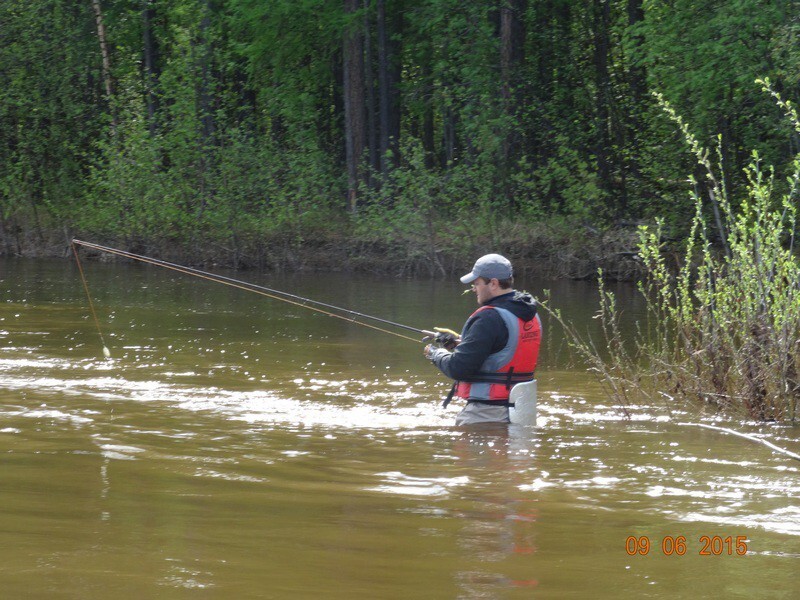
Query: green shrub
[{"x": 723, "y": 324}]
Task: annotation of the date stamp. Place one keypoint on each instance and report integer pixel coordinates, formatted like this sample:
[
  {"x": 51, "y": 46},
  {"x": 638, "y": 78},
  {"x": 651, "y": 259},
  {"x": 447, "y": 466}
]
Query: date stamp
[{"x": 705, "y": 545}]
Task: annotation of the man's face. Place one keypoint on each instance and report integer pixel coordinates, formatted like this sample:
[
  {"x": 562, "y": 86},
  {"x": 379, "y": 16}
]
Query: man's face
[{"x": 484, "y": 291}]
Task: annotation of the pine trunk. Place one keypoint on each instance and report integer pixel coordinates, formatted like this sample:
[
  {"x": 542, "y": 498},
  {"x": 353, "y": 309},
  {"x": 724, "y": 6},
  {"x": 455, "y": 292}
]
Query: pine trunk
[
  {"x": 101, "y": 36},
  {"x": 151, "y": 64},
  {"x": 354, "y": 104}
]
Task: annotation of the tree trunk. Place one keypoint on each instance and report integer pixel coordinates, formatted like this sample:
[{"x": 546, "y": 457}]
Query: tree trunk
[
  {"x": 204, "y": 99},
  {"x": 354, "y": 104},
  {"x": 101, "y": 36},
  {"x": 512, "y": 40},
  {"x": 395, "y": 20},
  {"x": 204, "y": 93},
  {"x": 389, "y": 22},
  {"x": 336, "y": 128},
  {"x": 637, "y": 74},
  {"x": 449, "y": 137},
  {"x": 151, "y": 64},
  {"x": 428, "y": 126},
  {"x": 372, "y": 125},
  {"x": 512, "y": 43},
  {"x": 383, "y": 83},
  {"x": 602, "y": 146}
]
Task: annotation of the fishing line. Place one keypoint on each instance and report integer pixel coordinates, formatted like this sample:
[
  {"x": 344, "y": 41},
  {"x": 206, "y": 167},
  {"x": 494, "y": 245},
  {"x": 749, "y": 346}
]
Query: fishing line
[
  {"x": 746, "y": 436},
  {"x": 106, "y": 351},
  {"x": 261, "y": 290}
]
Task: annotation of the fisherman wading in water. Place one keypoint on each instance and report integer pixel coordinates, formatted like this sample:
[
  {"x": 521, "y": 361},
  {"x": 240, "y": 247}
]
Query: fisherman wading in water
[{"x": 498, "y": 346}]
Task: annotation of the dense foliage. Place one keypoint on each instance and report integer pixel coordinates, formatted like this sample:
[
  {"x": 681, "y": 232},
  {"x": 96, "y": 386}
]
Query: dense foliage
[
  {"x": 723, "y": 325},
  {"x": 417, "y": 128}
]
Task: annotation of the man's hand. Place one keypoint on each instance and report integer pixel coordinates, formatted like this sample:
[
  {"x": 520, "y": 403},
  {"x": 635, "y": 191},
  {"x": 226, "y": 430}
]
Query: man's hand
[{"x": 447, "y": 338}]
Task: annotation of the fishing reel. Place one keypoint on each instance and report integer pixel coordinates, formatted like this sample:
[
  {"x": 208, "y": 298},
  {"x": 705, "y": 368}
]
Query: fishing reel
[{"x": 442, "y": 338}]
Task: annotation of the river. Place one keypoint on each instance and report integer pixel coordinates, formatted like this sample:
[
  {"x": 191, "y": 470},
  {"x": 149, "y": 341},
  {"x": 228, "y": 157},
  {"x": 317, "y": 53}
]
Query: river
[{"x": 238, "y": 447}]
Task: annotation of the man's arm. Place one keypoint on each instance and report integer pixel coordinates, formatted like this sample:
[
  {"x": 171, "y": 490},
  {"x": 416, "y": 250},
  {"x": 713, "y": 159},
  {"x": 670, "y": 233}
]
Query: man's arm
[{"x": 487, "y": 334}]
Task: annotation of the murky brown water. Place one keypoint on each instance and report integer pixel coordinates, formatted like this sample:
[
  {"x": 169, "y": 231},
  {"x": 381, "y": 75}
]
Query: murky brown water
[{"x": 236, "y": 447}]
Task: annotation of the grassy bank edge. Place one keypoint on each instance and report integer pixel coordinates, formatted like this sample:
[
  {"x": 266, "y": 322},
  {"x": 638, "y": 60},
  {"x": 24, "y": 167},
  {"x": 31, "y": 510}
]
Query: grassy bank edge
[{"x": 556, "y": 249}]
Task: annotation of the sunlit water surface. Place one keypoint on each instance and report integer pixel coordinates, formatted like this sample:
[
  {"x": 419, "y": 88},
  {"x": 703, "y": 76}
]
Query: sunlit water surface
[{"x": 238, "y": 447}]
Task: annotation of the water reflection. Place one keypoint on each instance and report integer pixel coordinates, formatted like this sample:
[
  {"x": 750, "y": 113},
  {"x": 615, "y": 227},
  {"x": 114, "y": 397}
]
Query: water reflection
[
  {"x": 483, "y": 502},
  {"x": 497, "y": 535}
]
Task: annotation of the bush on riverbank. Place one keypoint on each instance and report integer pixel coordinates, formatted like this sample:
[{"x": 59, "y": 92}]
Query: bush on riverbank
[
  {"x": 250, "y": 203},
  {"x": 723, "y": 325}
]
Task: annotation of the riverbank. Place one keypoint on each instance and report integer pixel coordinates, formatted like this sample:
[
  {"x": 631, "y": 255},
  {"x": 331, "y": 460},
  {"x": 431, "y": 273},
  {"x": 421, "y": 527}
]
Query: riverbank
[{"x": 552, "y": 249}]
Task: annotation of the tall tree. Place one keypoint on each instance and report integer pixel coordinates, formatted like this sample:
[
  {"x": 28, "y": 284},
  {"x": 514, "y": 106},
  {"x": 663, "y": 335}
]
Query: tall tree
[
  {"x": 389, "y": 25},
  {"x": 373, "y": 133},
  {"x": 205, "y": 83},
  {"x": 150, "y": 63},
  {"x": 601, "y": 17},
  {"x": 105, "y": 53},
  {"x": 512, "y": 55},
  {"x": 354, "y": 102}
]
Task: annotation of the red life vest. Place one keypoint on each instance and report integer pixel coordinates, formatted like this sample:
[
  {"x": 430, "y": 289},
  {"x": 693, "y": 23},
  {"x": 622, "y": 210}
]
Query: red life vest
[{"x": 513, "y": 364}]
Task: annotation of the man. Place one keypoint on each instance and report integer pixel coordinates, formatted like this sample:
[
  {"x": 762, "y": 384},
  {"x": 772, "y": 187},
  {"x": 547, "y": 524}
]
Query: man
[{"x": 498, "y": 346}]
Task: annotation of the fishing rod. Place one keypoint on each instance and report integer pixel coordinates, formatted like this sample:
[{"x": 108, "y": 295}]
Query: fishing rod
[{"x": 294, "y": 299}]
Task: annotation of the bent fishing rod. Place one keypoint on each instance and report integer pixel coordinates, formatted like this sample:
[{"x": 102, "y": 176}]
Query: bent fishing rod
[{"x": 315, "y": 305}]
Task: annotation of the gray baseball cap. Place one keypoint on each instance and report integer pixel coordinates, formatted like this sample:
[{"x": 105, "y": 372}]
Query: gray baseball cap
[{"x": 491, "y": 266}]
